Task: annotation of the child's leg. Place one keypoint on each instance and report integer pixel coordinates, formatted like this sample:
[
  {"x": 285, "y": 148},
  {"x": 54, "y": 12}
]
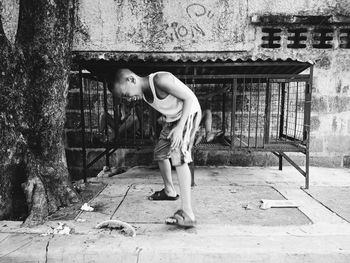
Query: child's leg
[
  {"x": 184, "y": 177},
  {"x": 128, "y": 124},
  {"x": 208, "y": 120},
  {"x": 165, "y": 171},
  {"x": 208, "y": 126},
  {"x": 107, "y": 120}
]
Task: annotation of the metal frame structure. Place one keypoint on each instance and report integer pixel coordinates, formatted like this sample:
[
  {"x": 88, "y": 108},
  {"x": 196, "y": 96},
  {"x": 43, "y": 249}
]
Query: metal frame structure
[{"x": 262, "y": 106}]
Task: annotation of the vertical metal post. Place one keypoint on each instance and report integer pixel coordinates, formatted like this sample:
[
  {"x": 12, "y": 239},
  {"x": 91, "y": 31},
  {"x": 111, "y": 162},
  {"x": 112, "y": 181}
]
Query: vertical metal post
[
  {"x": 116, "y": 118},
  {"x": 296, "y": 112},
  {"x": 278, "y": 109},
  {"x": 257, "y": 116},
  {"x": 250, "y": 109},
  {"x": 233, "y": 112},
  {"x": 123, "y": 123},
  {"x": 133, "y": 123},
  {"x": 307, "y": 113},
  {"x": 283, "y": 93},
  {"x": 242, "y": 111},
  {"x": 142, "y": 128},
  {"x": 192, "y": 165},
  {"x": 89, "y": 86},
  {"x": 106, "y": 112},
  {"x": 267, "y": 113},
  {"x": 98, "y": 105},
  {"x": 82, "y": 123},
  {"x": 280, "y": 162},
  {"x": 287, "y": 113},
  {"x": 223, "y": 111}
]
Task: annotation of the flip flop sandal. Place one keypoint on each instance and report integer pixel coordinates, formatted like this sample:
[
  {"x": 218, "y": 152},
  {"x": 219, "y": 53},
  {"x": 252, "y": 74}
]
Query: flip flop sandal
[
  {"x": 162, "y": 196},
  {"x": 180, "y": 218}
]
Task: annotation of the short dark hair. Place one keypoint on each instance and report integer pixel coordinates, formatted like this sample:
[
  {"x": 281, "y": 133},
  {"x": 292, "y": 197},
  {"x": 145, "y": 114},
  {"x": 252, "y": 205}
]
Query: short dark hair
[{"x": 118, "y": 76}]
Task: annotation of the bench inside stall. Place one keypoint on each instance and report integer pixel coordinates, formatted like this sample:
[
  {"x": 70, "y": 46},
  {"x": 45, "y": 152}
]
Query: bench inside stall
[{"x": 255, "y": 106}]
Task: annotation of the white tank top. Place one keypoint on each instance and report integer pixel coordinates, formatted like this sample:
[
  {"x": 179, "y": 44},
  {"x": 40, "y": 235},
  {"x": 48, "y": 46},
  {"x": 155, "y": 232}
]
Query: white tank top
[{"x": 171, "y": 107}]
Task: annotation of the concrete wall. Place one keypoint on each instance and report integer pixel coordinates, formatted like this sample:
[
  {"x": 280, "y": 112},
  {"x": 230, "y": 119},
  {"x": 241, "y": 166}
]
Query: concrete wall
[
  {"x": 225, "y": 29},
  {"x": 210, "y": 29}
]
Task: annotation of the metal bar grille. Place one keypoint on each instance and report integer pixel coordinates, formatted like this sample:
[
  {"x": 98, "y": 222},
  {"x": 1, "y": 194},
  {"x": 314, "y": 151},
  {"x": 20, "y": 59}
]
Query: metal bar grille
[
  {"x": 252, "y": 111},
  {"x": 264, "y": 112}
]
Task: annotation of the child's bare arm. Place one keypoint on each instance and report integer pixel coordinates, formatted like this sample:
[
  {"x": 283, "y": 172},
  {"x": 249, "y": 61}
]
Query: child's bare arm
[{"x": 166, "y": 83}]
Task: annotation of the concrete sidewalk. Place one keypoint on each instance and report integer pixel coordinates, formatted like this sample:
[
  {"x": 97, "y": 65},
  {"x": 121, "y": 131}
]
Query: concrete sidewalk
[{"x": 231, "y": 226}]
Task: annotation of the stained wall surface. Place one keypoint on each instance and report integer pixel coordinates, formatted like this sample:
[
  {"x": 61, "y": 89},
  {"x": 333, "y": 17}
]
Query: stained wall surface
[{"x": 226, "y": 29}]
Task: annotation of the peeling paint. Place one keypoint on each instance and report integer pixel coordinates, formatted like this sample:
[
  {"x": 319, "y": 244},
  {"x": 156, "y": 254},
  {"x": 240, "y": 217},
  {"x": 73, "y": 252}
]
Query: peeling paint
[{"x": 164, "y": 25}]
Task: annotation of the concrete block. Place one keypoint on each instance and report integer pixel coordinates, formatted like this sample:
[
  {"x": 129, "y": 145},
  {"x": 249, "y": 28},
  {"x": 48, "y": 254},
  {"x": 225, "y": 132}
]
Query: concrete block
[
  {"x": 74, "y": 81},
  {"x": 338, "y": 104},
  {"x": 73, "y": 101},
  {"x": 217, "y": 158},
  {"x": 316, "y": 144},
  {"x": 74, "y": 157},
  {"x": 73, "y": 138},
  {"x": 263, "y": 159},
  {"x": 90, "y": 101},
  {"x": 315, "y": 123},
  {"x": 266, "y": 159},
  {"x": 72, "y": 120},
  {"x": 92, "y": 154},
  {"x": 92, "y": 140},
  {"x": 240, "y": 159},
  {"x": 319, "y": 104},
  {"x": 139, "y": 157},
  {"x": 346, "y": 161},
  {"x": 200, "y": 157},
  {"x": 76, "y": 173},
  {"x": 337, "y": 144},
  {"x": 326, "y": 161}
]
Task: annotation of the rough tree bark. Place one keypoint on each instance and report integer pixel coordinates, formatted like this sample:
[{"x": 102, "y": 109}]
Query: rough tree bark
[{"x": 34, "y": 75}]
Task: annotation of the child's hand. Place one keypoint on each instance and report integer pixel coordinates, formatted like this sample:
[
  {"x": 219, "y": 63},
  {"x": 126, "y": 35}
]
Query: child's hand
[{"x": 176, "y": 137}]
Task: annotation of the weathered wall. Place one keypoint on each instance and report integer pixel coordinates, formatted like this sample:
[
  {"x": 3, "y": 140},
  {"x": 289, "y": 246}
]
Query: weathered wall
[
  {"x": 208, "y": 29},
  {"x": 162, "y": 25},
  {"x": 224, "y": 28}
]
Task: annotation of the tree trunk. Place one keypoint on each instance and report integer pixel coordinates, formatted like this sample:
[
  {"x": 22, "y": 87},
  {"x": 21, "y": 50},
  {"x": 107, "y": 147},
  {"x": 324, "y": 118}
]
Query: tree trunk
[{"x": 33, "y": 89}]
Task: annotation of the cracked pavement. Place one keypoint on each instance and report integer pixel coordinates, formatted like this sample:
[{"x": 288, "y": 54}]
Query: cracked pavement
[{"x": 318, "y": 231}]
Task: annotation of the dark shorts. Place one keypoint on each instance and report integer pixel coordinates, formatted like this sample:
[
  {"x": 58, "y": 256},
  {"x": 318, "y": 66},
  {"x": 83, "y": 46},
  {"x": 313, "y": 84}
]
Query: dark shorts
[{"x": 162, "y": 150}]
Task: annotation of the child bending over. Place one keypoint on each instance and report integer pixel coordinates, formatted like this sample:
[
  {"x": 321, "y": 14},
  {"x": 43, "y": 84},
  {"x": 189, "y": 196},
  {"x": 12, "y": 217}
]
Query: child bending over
[{"x": 173, "y": 99}]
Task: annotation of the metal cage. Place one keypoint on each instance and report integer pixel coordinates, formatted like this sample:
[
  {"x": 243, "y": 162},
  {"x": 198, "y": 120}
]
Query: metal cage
[{"x": 258, "y": 106}]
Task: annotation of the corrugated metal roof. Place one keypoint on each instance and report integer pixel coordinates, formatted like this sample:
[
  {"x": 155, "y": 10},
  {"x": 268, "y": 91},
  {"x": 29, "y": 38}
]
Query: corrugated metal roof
[
  {"x": 177, "y": 56},
  {"x": 184, "y": 63}
]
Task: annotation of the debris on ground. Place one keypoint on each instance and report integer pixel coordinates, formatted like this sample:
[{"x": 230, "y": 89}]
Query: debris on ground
[
  {"x": 79, "y": 185},
  {"x": 80, "y": 220},
  {"x": 124, "y": 228},
  {"x": 266, "y": 204},
  {"x": 86, "y": 207},
  {"x": 110, "y": 171},
  {"x": 61, "y": 229},
  {"x": 247, "y": 206}
]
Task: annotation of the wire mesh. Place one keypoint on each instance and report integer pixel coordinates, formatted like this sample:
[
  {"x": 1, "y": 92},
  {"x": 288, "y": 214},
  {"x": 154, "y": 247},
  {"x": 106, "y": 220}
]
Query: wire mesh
[
  {"x": 243, "y": 112},
  {"x": 294, "y": 106},
  {"x": 109, "y": 121},
  {"x": 263, "y": 112}
]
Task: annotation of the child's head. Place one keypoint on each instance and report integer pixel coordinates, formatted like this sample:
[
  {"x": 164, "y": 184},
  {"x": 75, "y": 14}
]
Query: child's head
[{"x": 126, "y": 84}]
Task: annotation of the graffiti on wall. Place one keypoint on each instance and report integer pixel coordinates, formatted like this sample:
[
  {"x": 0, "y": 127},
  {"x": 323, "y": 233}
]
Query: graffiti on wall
[
  {"x": 177, "y": 30},
  {"x": 162, "y": 24}
]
